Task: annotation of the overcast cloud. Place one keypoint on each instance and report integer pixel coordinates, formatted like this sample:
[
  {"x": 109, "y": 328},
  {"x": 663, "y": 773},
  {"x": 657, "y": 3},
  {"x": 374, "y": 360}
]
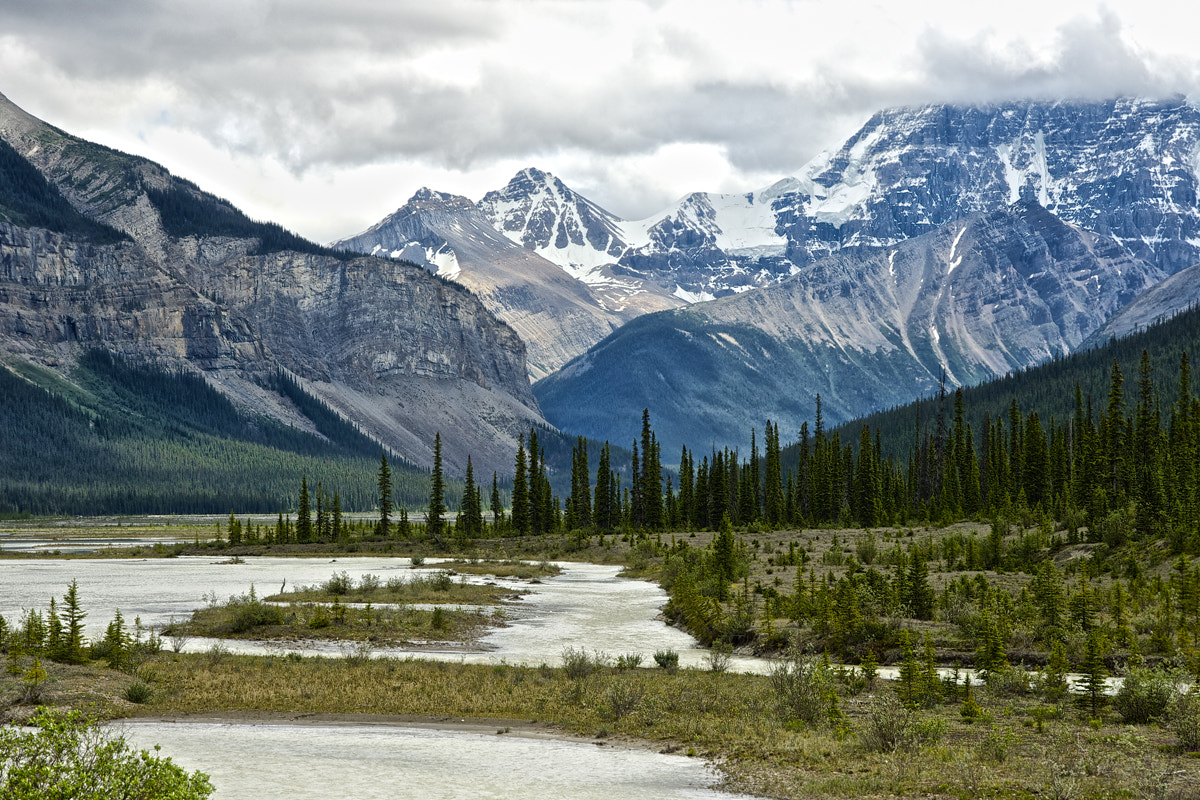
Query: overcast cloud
[{"x": 327, "y": 116}]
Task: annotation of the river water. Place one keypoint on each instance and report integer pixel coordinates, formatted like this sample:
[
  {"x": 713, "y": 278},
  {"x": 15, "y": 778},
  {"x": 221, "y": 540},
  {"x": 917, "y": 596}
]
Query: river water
[
  {"x": 587, "y": 606},
  {"x": 299, "y": 762}
]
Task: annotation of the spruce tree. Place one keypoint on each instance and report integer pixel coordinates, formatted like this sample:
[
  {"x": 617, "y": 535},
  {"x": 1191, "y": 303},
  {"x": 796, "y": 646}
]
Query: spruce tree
[
  {"x": 303, "y": 513},
  {"x": 435, "y": 519},
  {"x": 497, "y": 507},
  {"x": 385, "y": 496},
  {"x": 73, "y": 616},
  {"x": 520, "y": 492}
]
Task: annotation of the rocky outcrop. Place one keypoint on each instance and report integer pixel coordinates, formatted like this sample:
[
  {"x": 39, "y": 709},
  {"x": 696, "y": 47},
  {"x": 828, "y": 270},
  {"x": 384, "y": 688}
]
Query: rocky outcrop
[{"x": 390, "y": 347}]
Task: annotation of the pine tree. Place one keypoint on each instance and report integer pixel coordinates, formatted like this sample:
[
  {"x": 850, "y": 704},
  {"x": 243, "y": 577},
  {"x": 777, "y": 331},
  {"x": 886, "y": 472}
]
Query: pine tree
[
  {"x": 73, "y": 616},
  {"x": 336, "y": 522},
  {"x": 303, "y": 513},
  {"x": 1094, "y": 673},
  {"x": 520, "y": 492},
  {"x": 497, "y": 507},
  {"x": 435, "y": 519},
  {"x": 725, "y": 556},
  {"x": 385, "y": 496}
]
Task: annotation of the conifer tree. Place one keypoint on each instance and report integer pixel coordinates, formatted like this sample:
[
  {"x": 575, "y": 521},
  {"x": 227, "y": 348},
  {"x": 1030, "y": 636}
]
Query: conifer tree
[
  {"x": 73, "y": 616},
  {"x": 497, "y": 507},
  {"x": 336, "y": 515},
  {"x": 520, "y": 492},
  {"x": 435, "y": 519},
  {"x": 1094, "y": 673},
  {"x": 385, "y": 496},
  {"x": 303, "y": 513}
]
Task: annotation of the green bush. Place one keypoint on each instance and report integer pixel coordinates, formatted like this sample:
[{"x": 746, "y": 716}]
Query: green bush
[
  {"x": 803, "y": 688},
  {"x": 67, "y": 756},
  {"x": 1184, "y": 719},
  {"x": 251, "y": 614},
  {"x": 339, "y": 583},
  {"x": 139, "y": 692},
  {"x": 667, "y": 659},
  {"x": 578, "y": 665},
  {"x": 1145, "y": 695},
  {"x": 893, "y": 726}
]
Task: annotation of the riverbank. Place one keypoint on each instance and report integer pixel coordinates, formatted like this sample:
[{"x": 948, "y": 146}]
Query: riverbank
[{"x": 863, "y": 745}]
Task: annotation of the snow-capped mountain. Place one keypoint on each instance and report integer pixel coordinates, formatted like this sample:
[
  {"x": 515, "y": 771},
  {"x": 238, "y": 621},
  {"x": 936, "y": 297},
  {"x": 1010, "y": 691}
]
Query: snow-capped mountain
[
  {"x": 538, "y": 211},
  {"x": 1123, "y": 168},
  {"x": 866, "y": 327},
  {"x": 557, "y": 315}
]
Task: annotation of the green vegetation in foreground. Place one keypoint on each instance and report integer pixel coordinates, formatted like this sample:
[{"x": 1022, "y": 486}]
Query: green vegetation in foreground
[
  {"x": 807, "y": 730},
  {"x": 65, "y": 755}
]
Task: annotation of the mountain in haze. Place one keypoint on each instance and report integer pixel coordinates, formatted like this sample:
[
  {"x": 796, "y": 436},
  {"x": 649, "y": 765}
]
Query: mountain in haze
[
  {"x": 103, "y": 250},
  {"x": 864, "y": 327},
  {"x": 556, "y": 314}
]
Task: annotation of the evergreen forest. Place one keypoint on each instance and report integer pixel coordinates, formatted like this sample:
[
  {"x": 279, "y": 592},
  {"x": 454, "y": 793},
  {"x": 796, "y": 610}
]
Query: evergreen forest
[{"x": 124, "y": 437}]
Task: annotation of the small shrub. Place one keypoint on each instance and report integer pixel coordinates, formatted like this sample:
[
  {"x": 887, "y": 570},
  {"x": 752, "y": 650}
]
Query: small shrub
[
  {"x": 892, "y": 726},
  {"x": 996, "y": 746},
  {"x": 1008, "y": 681},
  {"x": 1145, "y": 695},
  {"x": 339, "y": 583},
  {"x": 578, "y": 665},
  {"x": 803, "y": 689},
  {"x": 718, "y": 656},
  {"x": 1184, "y": 719},
  {"x": 623, "y": 697},
  {"x": 368, "y": 583},
  {"x": 667, "y": 659},
  {"x": 252, "y": 614},
  {"x": 629, "y": 661},
  {"x": 139, "y": 692},
  {"x": 418, "y": 561},
  {"x": 443, "y": 581},
  {"x": 320, "y": 618},
  {"x": 33, "y": 684},
  {"x": 437, "y": 620}
]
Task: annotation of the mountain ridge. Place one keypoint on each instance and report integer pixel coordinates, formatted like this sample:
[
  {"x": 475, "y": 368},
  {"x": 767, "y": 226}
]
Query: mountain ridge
[{"x": 396, "y": 351}]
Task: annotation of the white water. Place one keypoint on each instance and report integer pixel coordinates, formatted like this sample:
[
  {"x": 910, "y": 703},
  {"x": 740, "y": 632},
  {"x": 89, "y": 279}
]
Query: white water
[{"x": 357, "y": 762}]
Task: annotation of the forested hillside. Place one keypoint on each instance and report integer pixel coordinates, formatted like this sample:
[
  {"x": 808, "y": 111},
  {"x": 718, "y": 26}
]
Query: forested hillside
[
  {"x": 1048, "y": 389},
  {"x": 124, "y": 438}
]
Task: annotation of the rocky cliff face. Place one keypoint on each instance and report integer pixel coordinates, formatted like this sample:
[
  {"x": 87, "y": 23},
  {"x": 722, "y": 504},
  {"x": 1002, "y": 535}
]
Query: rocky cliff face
[
  {"x": 865, "y": 328},
  {"x": 389, "y": 346},
  {"x": 557, "y": 315}
]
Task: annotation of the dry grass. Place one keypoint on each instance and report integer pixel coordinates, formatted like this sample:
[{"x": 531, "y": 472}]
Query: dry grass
[{"x": 727, "y": 717}]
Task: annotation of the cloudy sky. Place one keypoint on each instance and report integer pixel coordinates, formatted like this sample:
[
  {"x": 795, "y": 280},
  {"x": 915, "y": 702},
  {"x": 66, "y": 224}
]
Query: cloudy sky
[{"x": 325, "y": 116}]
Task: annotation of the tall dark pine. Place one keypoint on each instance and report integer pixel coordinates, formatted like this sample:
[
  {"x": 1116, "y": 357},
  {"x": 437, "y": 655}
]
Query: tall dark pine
[
  {"x": 604, "y": 508},
  {"x": 385, "y": 496},
  {"x": 520, "y": 492},
  {"x": 304, "y": 513},
  {"x": 580, "y": 510},
  {"x": 497, "y": 506},
  {"x": 650, "y": 480},
  {"x": 435, "y": 520}
]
